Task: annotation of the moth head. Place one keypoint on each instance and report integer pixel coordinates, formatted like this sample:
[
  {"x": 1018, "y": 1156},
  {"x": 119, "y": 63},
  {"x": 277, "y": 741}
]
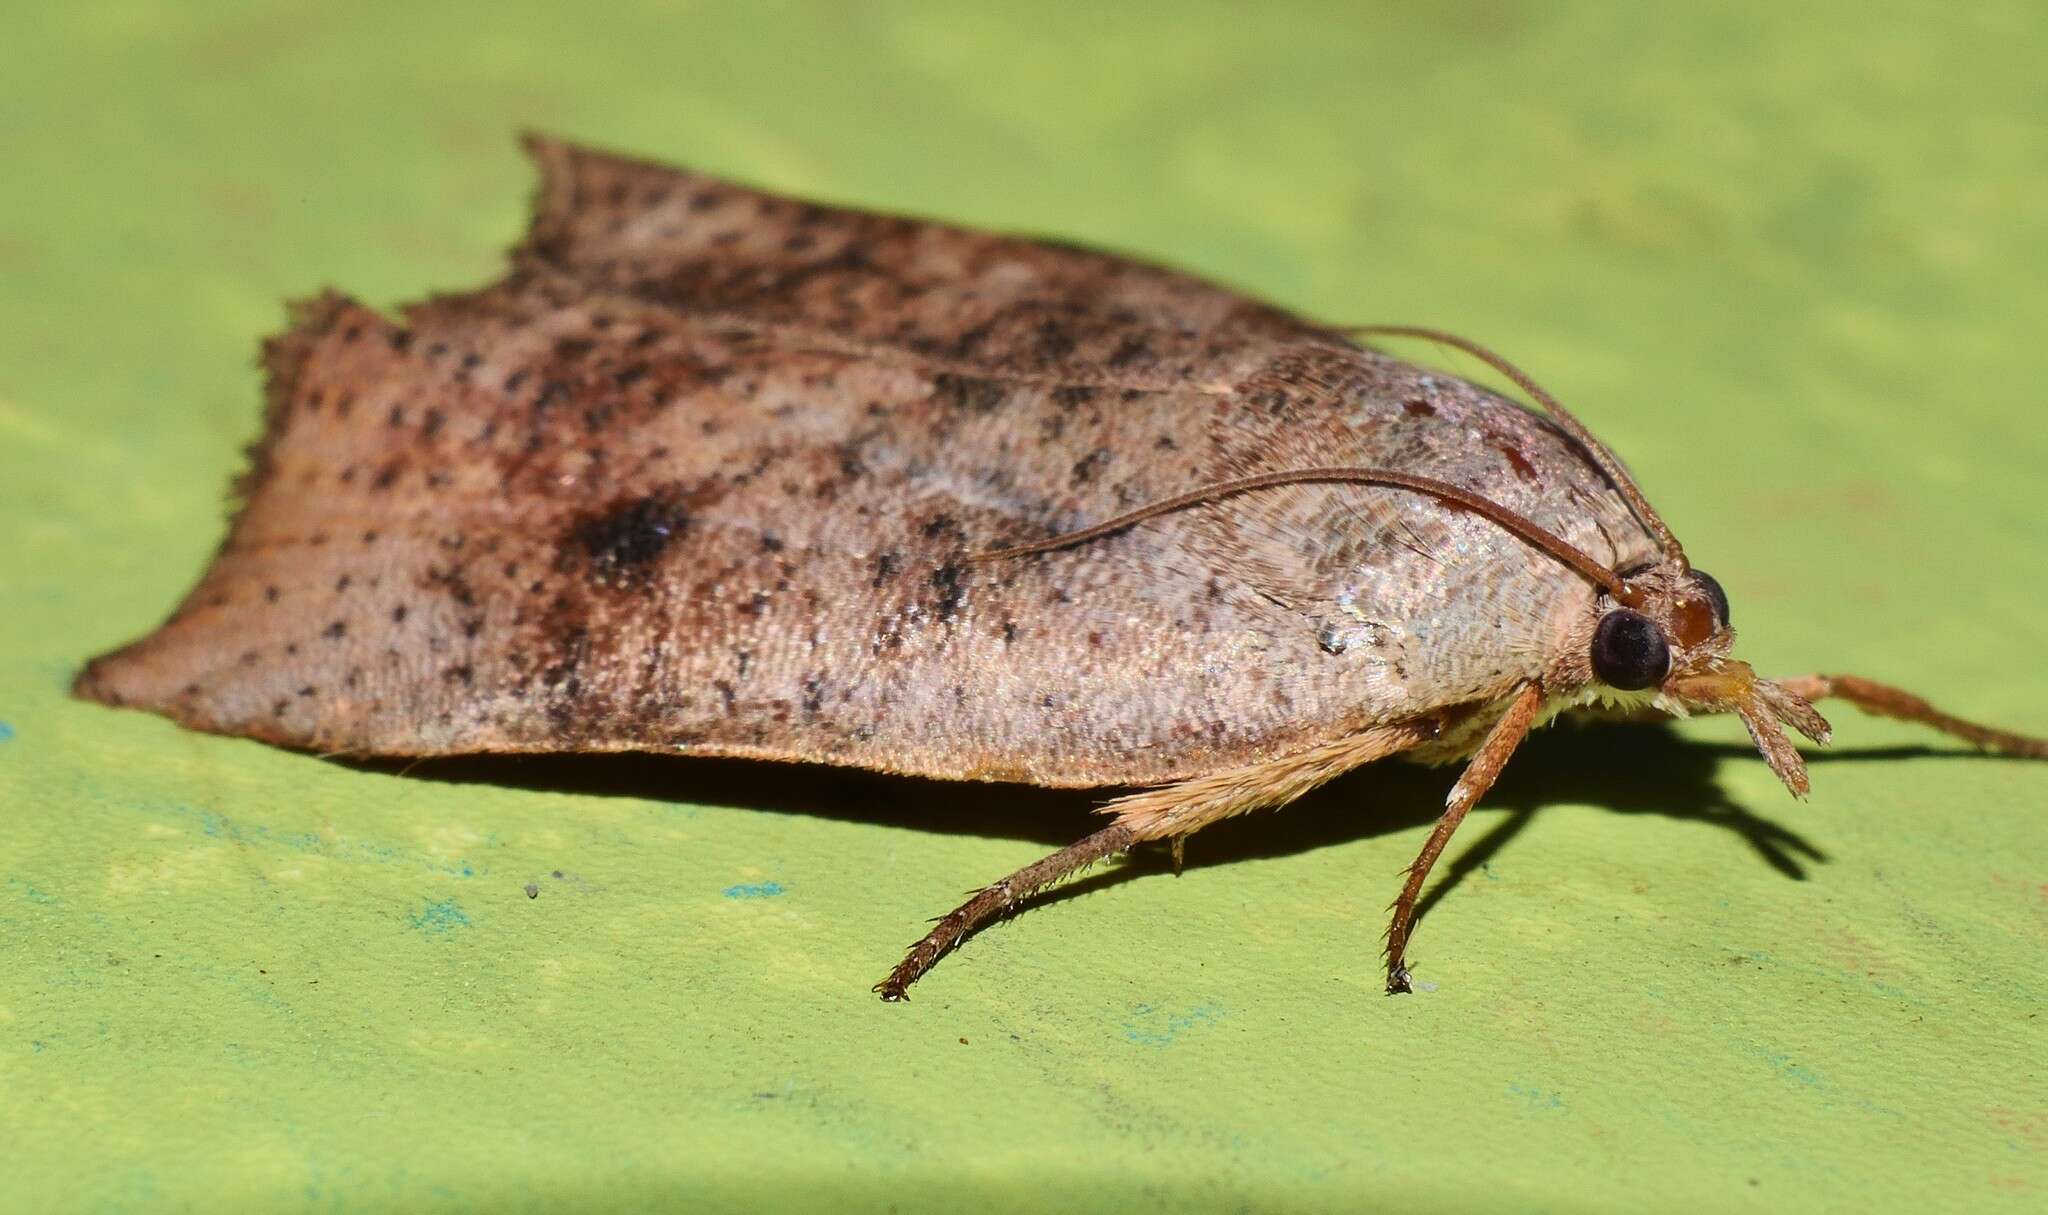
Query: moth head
[
  {"x": 1665, "y": 636},
  {"x": 1667, "y": 621}
]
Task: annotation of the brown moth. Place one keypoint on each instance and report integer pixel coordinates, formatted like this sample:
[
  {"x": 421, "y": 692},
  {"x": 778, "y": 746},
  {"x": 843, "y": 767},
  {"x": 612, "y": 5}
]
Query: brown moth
[{"x": 714, "y": 472}]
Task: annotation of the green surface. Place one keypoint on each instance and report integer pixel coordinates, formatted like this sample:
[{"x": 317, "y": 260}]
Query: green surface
[{"x": 1787, "y": 259}]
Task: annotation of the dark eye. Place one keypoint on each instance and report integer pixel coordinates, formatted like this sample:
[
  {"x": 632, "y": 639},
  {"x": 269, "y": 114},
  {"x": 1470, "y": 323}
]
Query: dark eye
[
  {"x": 1715, "y": 595},
  {"x": 1629, "y": 651}
]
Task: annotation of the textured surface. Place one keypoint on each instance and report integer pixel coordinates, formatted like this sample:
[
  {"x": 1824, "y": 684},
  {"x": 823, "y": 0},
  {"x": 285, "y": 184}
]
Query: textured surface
[{"x": 1784, "y": 264}]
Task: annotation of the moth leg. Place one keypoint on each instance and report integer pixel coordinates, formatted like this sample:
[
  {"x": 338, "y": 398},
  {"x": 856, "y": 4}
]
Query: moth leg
[
  {"x": 1170, "y": 813},
  {"x": 1884, "y": 700},
  {"x": 994, "y": 899},
  {"x": 1478, "y": 777}
]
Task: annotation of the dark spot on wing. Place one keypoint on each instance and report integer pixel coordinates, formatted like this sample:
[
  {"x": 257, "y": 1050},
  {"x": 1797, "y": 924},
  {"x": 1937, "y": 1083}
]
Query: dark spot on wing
[
  {"x": 947, "y": 579},
  {"x": 1517, "y": 461},
  {"x": 1087, "y": 466},
  {"x": 1131, "y": 350},
  {"x": 969, "y": 393},
  {"x": 626, "y": 538}
]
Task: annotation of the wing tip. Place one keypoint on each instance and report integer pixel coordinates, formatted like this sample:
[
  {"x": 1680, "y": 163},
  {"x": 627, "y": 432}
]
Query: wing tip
[
  {"x": 95, "y": 680},
  {"x": 573, "y": 178}
]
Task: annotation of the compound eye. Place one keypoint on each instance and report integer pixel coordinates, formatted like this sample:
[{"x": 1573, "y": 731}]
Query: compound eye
[
  {"x": 1629, "y": 651},
  {"x": 1715, "y": 595}
]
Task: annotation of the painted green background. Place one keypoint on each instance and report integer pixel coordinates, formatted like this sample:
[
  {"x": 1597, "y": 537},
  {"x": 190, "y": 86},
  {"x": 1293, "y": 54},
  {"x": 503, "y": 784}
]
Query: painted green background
[{"x": 1788, "y": 259}]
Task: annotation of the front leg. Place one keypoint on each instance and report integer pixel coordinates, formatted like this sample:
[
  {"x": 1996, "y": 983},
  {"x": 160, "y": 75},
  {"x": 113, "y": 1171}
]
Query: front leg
[{"x": 1884, "y": 700}]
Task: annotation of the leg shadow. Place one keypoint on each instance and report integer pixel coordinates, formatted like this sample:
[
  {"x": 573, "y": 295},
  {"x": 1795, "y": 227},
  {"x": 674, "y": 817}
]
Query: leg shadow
[{"x": 1630, "y": 769}]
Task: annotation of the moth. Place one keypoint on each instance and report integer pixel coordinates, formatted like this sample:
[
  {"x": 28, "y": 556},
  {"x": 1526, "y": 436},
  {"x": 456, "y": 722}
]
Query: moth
[{"x": 715, "y": 472}]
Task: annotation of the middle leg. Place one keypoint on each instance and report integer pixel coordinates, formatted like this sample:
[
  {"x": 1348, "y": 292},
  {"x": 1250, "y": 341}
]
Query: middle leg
[{"x": 1170, "y": 813}]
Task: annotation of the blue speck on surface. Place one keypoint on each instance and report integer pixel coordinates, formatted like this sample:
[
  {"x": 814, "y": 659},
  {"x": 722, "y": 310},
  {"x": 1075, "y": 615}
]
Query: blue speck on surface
[
  {"x": 1149, "y": 1026},
  {"x": 29, "y": 892},
  {"x": 1783, "y": 1065},
  {"x": 1536, "y": 1098},
  {"x": 762, "y": 890},
  {"x": 439, "y": 918},
  {"x": 6, "y": 732}
]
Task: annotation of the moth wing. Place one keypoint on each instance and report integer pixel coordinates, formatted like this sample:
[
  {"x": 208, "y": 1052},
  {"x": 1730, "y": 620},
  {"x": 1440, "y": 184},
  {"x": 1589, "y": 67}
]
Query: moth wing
[
  {"x": 535, "y": 519},
  {"x": 975, "y": 300}
]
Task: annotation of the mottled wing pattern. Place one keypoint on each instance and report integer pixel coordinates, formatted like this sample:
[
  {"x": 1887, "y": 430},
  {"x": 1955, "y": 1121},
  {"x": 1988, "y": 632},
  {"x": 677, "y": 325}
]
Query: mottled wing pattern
[{"x": 704, "y": 472}]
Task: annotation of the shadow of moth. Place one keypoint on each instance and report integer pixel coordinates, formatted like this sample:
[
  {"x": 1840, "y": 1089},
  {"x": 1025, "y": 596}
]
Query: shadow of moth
[{"x": 716, "y": 472}]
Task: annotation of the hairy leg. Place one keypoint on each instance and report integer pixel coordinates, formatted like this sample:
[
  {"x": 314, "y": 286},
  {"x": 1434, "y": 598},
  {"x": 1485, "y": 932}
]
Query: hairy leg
[
  {"x": 1479, "y": 775},
  {"x": 1886, "y": 701},
  {"x": 1172, "y": 813},
  {"x": 996, "y": 898}
]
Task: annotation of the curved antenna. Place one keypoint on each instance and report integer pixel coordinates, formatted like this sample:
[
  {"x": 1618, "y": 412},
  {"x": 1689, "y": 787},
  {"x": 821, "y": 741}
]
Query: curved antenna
[
  {"x": 1595, "y": 450},
  {"x": 1518, "y": 525}
]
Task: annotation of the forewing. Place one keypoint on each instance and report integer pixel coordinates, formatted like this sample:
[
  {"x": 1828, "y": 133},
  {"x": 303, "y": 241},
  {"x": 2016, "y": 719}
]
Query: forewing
[{"x": 534, "y": 518}]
